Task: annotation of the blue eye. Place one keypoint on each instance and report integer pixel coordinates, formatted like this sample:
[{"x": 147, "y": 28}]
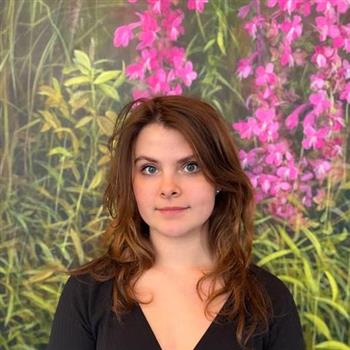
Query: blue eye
[
  {"x": 193, "y": 167},
  {"x": 150, "y": 171}
]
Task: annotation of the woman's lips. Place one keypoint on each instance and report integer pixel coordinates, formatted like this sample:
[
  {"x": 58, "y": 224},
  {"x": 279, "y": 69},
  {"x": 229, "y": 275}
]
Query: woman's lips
[{"x": 172, "y": 210}]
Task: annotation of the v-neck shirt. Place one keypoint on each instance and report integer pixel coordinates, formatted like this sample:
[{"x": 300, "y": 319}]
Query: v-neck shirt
[{"x": 84, "y": 320}]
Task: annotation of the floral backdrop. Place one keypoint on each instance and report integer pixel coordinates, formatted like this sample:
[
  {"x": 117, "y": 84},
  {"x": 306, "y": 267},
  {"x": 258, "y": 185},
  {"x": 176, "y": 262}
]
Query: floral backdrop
[{"x": 278, "y": 70}]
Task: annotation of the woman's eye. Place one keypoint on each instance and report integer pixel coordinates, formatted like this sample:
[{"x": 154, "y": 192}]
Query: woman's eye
[
  {"x": 192, "y": 167},
  {"x": 148, "y": 169}
]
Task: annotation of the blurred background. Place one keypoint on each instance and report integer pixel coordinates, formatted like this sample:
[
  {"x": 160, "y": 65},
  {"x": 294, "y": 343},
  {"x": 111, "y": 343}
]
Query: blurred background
[{"x": 65, "y": 72}]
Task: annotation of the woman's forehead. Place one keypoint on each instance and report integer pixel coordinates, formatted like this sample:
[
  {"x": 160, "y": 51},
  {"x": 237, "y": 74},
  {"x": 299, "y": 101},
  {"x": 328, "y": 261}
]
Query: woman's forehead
[{"x": 155, "y": 139}]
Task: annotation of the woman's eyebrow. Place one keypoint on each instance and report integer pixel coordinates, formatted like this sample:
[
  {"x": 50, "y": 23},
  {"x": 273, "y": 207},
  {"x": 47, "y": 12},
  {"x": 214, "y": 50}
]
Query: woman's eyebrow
[{"x": 149, "y": 159}]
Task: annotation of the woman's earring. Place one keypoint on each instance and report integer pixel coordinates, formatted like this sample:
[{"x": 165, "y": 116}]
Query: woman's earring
[{"x": 217, "y": 191}]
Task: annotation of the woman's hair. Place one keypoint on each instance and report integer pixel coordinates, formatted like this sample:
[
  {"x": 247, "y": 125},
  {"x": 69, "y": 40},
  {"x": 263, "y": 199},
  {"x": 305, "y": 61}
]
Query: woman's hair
[{"x": 129, "y": 249}]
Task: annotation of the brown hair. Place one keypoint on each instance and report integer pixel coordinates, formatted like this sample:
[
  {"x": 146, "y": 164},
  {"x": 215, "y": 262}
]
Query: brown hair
[{"x": 130, "y": 251}]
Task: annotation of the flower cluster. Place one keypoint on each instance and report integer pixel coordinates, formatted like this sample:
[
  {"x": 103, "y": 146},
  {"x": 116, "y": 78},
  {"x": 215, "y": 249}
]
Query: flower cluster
[
  {"x": 299, "y": 137},
  {"x": 161, "y": 66}
]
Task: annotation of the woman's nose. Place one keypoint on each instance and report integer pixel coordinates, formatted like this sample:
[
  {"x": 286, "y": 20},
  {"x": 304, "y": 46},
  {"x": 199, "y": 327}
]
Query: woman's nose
[{"x": 169, "y": 187}]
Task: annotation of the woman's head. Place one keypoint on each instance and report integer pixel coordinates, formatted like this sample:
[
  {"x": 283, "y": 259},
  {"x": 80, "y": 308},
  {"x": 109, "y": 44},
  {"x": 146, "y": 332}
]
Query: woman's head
[{"x": 207, "y": 136}]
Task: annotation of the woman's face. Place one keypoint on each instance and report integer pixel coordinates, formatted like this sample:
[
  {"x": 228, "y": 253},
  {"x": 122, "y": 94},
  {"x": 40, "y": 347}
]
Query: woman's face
[{"x": 172, "y": 194}]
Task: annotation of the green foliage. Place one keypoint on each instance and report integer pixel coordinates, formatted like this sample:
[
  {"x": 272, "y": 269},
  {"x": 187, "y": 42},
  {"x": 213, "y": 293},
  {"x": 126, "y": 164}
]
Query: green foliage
[
  {"x": 313, "y": 260},
  {"x": 58, "y": 213}
]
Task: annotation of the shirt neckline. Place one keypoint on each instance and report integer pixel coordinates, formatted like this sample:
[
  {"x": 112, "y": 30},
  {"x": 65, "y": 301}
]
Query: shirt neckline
[{"x": 201, "y": 339}]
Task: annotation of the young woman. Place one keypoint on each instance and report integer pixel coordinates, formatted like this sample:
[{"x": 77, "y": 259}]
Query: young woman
[{"x": 177, "y": 272}]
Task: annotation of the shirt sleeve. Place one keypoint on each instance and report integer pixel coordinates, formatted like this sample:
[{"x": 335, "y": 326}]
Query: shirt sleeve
[
  {"x": 71, "y": 327},
  {"x": 286, "y": 331}
]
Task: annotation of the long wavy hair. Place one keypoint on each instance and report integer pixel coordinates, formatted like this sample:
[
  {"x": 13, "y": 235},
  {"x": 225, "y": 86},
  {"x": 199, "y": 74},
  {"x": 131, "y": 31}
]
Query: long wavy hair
[{"x": 129, "y": 251}]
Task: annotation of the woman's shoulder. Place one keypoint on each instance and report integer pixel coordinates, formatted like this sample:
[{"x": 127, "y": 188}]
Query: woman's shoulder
[
  {"x": 86, "y": 292},
  {"x": 279, "y": 294},
  {"x": 270, "y": 280}
]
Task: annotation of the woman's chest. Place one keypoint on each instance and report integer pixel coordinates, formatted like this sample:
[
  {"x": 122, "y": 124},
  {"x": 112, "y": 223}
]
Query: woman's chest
[{"x": 176, "y": 314}]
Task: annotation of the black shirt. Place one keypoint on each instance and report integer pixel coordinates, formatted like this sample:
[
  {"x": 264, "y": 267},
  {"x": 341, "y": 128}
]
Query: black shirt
[{"x": 84, "y": 321}]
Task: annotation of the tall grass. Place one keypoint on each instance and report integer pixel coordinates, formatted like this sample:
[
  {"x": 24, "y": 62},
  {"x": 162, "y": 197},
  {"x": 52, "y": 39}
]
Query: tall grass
[{"x": 58, "y": 97}]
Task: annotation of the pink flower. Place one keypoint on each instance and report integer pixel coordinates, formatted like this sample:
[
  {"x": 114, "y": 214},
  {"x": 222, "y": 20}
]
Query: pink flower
[
  {"x": 266, "y": 181},
  {"x": 252, "y": 26},
  {"x": 287, "y": 55},
  {"x": 317, "y": 82},
  {"x": 137, "y": 93},
  {"x": 247, "y": 158},
  {"x": 243, "y": 11},
  {"x": 187, "y": 73},
  {"x": 336, "y": 118},
  {"x": 321, "y": 168},
  {"x": 266, "y": 128},
  {"x": 135, "y": 71},
  {"x": 271, "y": 3},
  {"x": 342, "y": 5},
  {"x": 122, "y": 36},
  {"x": 285, "y": 5},
  {"x": 293, "y": 118},
  {"x": 345, "y": 94},
  {"x": 157, "y": 5},
  {"x": 326, "y": 27},
  {"x": 172, "y": 23},
  {"x": 320, "y": 101},
  {"x": 346, "y": 69},
  {"x": 304, "y": 8},
  {"x": 323, "y": 6},
  {"x": 246, "y": 129},
  {"x": 314, "y": 138},
  {"x": 293, "y": 28},
  {"x": 322, "y": 56},
  {"x": 244, "y": 68},
  {"x": 176, "y": 56},
  {"x": 197, "y": 5},
  {"x": 289, "y": 172},
  {"x": 309, "y": 119},
  {"x": 158, "y": 81},
  {"x": 265, "y": 75},
  {"x": 276, "y": 153},
  {"x": 149, "y": 30}
]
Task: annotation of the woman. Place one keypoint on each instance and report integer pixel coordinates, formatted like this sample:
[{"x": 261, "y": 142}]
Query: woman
[{"x": 177, "y": 274}]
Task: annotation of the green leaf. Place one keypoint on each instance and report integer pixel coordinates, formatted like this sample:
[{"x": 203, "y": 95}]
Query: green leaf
[
  {"x": 288, "y": 240},
  {"x": 332, "y": 345},
  {"x": 109, "y": 91},
  {"x": 105, "y": 125},
  {"x": 40, "y": 276},
  {"x": 319, "y": 324},
  {"x": 60, "y": 150},
  {"x": 50, "y": 119},
  {"x": 97, "y": 179},
  {"x": 209, "y": 44},
  {"x": 75, "y": 141},
  {"x": 77, "y": 245},
  {"x": 309, "y": 278},
  {"x": 81, "y": 79},
  {"x": 106, "y": 76},
  {"x": 336, "y": 306},
  {"x": 333, "y": 284},
  {"x": 273, "y": 256},
  {"x": 82, "y": 58},
  {"x": 220, "y": 41},
  {"x": 314, "y": 240},
  {"x": 83, "y": 121},
  {"x": 292, "y": 280}
]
